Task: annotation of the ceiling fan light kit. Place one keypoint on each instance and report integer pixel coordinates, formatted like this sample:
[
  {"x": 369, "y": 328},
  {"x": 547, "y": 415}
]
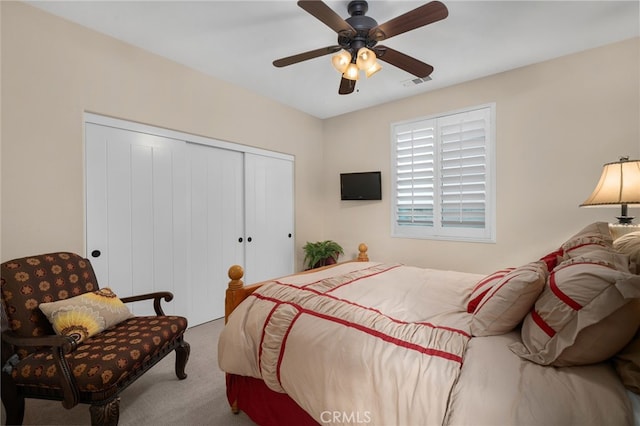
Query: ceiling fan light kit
[
  {"x": 351, "y": 73},
  {"x": 366, "y": 58},
  {"x": 341, "y": 61},
  {"x": 365, "y": 61},
  {"x": 358, "y": 37},
  {"x": 373, "y": 69}
]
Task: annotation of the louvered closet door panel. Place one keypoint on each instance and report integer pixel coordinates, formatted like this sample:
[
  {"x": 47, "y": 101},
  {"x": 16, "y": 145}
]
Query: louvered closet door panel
[
  {"x": 269, "y": 217},
  {"x": 136, "y": 215},
  {"x": 216, "y": 197}
]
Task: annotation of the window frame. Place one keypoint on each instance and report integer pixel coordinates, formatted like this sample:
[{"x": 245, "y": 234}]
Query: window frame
[{"x": 487, "y": 234}]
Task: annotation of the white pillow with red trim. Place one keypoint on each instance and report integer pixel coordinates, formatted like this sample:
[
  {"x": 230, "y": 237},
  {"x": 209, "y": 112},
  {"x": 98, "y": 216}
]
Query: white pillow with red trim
[
  {"x": 629, "y": 244},
  {"x": 506, "y": 303},
  {"x": 584, "y": 314},
  {"x": 483, "y": 286},
  {"x": 595, "y": 236}
]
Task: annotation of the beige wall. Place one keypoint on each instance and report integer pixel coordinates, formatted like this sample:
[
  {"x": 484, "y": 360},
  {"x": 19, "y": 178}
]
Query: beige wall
[
  {"x": 557, "y": 123},
  {"x": 53, "y": 71}
]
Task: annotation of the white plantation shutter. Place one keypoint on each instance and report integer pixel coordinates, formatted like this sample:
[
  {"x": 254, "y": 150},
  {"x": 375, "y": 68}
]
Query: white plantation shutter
[
  {"x": 443, "y": 177},
  {"x": 414, "y": 174},
  {"x": 463, "y": 170}
]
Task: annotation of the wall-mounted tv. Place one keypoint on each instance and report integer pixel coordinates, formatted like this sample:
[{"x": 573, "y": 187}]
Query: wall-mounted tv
[{"x": 360, "y": 186}]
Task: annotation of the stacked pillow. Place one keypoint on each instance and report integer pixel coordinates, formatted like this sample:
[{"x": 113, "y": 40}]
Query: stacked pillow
[
  {"x": 483, "y": 286},
  {"x": 629, "y": 244},
  {"x": 500, "y": 301},
  {"x": 578, "y": 305},
  {"x": 589, "y": 308},
  {"x": 627, "y": 364}
]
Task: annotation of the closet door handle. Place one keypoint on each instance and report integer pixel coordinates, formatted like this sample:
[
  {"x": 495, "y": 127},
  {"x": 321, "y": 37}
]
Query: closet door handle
[
  {"x": 289, "y": 235},
  {"x": 95, "y": 253},
  {"x": 249, "y": 239},
  {"x": 240, "y": 239}
]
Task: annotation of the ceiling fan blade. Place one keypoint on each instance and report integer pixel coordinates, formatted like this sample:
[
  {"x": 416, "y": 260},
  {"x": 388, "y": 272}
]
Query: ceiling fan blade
[
  {"x": 416, "y": 18},
  {"x": 294, "y": 59},
  {"x": 346, "y": 86},
  {"x": 328, "y": 17},
  {"x": 402, "y": 61}
]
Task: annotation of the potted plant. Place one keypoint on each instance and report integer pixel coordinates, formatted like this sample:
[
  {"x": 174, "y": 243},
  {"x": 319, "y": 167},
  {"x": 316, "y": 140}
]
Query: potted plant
[{"x": 321, "y": 253}]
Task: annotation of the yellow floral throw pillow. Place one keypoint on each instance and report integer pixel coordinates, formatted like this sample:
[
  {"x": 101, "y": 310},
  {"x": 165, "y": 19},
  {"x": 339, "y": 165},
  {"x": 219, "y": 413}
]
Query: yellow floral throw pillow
[{"x": 83, "y": 316}]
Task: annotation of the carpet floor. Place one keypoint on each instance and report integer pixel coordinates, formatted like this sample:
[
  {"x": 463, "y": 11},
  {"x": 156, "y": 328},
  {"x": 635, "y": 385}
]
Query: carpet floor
[{"x": 158, "y": 397}]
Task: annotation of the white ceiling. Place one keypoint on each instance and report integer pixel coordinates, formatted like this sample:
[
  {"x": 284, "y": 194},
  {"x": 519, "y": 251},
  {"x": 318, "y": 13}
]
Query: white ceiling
[{"x": 237, "y": 41}]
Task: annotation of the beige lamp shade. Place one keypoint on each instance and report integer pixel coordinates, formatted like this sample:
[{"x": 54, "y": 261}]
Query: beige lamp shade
[{"x": 619, "y": 184}]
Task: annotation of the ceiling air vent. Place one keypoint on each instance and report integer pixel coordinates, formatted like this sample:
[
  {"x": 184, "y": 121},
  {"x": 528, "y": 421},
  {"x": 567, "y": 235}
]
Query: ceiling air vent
[{"x": 415, "y": 81}]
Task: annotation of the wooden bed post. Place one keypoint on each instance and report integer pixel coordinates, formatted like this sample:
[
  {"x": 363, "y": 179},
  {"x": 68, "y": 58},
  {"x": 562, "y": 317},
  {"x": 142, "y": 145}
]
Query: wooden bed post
[
  {"x": 234, "y": 294},
  {"x": 363, "y": 256}
]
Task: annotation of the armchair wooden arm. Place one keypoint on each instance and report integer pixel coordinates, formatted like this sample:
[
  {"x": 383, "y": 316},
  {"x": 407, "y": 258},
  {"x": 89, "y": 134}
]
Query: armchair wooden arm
[
  {"x": 157, "y": 298},
  {"x": 59, "y": 346},
  {"x": 66, "y": 343}
]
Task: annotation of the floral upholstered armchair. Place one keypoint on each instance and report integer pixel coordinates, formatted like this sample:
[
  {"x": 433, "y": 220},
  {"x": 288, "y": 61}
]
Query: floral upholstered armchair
[{"x": 66, "y": 339}]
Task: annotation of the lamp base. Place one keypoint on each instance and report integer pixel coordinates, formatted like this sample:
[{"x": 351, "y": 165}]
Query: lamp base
[
  {"x": 619, "y": 229},
  {"x": 625, "y": 220}
]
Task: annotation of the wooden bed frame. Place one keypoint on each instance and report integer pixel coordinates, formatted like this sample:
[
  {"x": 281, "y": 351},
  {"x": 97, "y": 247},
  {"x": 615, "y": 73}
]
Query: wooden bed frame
[{"x": 260, "y": 403}]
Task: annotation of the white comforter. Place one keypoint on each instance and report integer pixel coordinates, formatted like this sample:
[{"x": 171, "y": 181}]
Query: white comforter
[{"x": 390, "y": 345}]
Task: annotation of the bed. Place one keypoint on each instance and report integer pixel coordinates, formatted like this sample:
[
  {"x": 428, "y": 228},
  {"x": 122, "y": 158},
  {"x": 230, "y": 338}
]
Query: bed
[{"x": 551, "y": 342}]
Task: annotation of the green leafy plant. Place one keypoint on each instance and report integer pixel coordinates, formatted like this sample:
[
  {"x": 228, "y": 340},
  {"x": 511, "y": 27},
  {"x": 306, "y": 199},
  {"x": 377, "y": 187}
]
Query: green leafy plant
[{"x": 321, "y": 253}]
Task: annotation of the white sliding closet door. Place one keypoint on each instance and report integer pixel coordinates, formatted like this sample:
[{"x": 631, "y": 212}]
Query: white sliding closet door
[
  {"x": 269, "y": 217},
  {"x": 136, "y": 213},
  {"x": 216, "y": 191},
  {"x": 168, "y": 211}
]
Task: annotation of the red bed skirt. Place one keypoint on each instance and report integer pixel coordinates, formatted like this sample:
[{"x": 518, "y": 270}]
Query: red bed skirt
[{"x": 264, "y": 406}]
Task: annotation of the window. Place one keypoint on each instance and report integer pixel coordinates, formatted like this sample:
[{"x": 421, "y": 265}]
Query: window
[{"x": 443, "y": 176}]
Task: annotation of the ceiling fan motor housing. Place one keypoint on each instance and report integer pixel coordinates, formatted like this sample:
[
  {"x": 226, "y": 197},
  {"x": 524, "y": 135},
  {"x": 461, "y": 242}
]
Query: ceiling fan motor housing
[
  {"x": 362, "y": 24},
  {"x": 357, "y": 7}
]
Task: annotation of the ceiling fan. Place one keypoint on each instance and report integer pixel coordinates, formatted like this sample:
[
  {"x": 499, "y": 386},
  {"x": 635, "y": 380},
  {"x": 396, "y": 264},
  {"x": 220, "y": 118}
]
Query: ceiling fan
[{"x": 359, "y": 35}]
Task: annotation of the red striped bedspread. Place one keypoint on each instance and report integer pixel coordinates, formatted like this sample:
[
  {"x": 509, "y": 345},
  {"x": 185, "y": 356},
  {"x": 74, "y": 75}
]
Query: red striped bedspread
[{"x": 359, "y": 343}]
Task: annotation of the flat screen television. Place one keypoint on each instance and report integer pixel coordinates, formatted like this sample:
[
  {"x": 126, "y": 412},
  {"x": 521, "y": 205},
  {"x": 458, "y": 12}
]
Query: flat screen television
[{"x": 360, "y": 186}]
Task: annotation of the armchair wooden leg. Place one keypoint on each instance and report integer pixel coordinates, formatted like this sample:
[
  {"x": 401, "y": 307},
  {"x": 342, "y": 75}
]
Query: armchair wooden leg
[
  {"x": 105, "y": 414},
  {"x": 182, "y": 356},
  {"x": 234, "y": 407},
  {"x": 12, "y": 401}
]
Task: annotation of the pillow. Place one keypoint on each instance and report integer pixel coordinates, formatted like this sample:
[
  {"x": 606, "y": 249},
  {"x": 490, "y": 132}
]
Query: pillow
[
  {"x": 615, "y": 331},
  {"x": 592, "y": 237},
  {"x": 83, "y": 316},
  {"x": 483, "y": 286},
  {"x": 627, "y": 364},
  {"x": 629, "y": 244},
  {"x": 506, "y": 304},
  {"x": 553, "y": 258},
  {"x": 581, "y": 293}
]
